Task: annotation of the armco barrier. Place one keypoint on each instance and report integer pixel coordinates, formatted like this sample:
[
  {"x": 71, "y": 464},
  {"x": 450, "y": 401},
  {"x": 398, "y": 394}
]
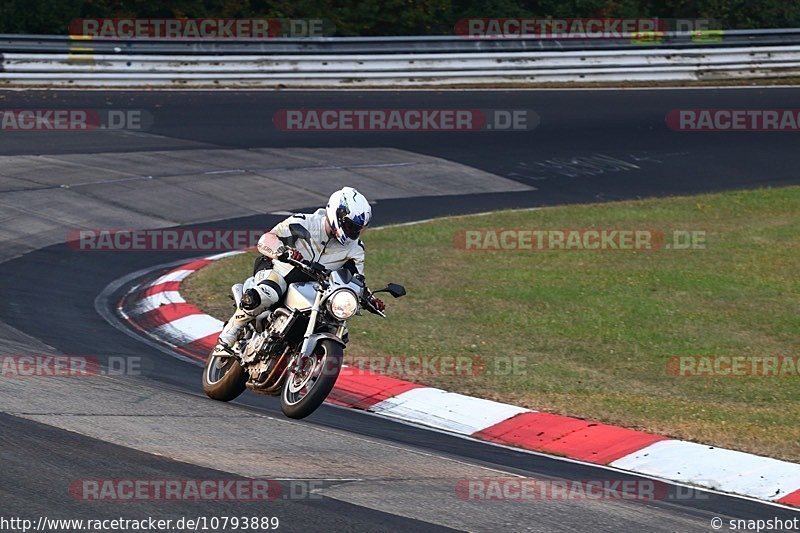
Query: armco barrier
[{"x": 353, "y": 62}]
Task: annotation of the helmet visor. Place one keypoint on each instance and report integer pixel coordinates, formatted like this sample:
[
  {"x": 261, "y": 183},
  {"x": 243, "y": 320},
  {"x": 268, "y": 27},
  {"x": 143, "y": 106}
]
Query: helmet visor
[{"x": 351, "y": 229}]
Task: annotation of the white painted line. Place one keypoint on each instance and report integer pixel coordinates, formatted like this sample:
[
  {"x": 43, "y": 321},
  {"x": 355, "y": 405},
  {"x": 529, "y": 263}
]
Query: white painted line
[
  {"x": 175, "y": 275},
  {"x": 717, "y": 468},
  {"x": 225, "y": 254},
  {"x": 450, "y": 217},
  {"x": 229, "y": 171},
  {"x": 446, "y": 410}
]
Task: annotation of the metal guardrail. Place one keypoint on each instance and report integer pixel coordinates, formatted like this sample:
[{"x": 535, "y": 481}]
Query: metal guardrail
[
  {"x": 389, "y": 45},
  {"x": 395, "y": 61}
]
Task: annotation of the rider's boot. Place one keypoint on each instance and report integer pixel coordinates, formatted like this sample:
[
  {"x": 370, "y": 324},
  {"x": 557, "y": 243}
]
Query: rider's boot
[{"x": 230, "y": 332}]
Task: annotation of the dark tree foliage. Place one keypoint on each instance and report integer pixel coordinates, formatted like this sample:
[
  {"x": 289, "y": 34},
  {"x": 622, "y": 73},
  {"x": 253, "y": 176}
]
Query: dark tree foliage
[{"x": 393, "y": 17}]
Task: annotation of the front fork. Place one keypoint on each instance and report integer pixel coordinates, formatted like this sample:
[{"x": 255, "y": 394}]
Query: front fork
[
  {"x": 305, "y": 349},
  {"x": 312, "y": 322}
]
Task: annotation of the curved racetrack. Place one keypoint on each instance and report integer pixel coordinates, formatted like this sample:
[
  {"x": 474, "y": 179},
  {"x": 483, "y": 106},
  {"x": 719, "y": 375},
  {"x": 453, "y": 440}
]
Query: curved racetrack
[{"x": 376, "y": 474}]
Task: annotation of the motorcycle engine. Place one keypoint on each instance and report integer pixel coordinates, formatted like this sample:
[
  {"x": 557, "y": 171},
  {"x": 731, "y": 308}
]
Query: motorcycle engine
[
  {"x": 254, "y": 346},
  {"x": 281, "y": 321},
  {"x": 263, "y": 342}
]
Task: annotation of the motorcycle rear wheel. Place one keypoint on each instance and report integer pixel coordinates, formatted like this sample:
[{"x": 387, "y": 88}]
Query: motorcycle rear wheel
[{"x": 224, "y": 378}]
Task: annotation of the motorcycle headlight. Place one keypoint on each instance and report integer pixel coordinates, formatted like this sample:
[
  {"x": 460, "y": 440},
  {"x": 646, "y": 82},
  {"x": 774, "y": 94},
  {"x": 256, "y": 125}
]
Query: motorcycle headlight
[{"x": 343, "y": 304}]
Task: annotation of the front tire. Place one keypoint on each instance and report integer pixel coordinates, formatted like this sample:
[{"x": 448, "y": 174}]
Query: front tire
[
  {"x": 224, "y": 378},
  {"x": 305, "y": 391}
]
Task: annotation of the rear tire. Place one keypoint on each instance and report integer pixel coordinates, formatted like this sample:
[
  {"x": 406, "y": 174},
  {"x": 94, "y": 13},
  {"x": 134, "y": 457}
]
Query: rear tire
[
  {"x": 330, "y": 355},
  {"x": 224, "y": 378}
]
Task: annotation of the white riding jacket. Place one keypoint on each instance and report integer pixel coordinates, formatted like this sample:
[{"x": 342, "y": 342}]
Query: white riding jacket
[{"x": 323, "y": 249}]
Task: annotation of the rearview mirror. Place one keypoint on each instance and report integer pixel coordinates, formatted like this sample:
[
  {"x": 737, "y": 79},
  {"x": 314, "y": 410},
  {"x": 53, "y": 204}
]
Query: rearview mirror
[{"x": 394, "y": 289}]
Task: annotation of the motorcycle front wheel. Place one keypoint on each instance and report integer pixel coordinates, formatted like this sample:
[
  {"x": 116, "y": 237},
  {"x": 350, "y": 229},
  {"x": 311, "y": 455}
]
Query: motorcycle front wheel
[{"x": 307, "y": 385}]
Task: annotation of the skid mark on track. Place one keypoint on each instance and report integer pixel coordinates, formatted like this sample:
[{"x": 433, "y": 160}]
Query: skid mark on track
[{"x": 580, "y": 166}]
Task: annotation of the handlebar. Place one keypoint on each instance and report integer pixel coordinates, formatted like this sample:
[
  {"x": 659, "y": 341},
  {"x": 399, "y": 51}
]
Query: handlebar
[
  {"x": 318, "y": 271},
  {"x": 313, "y": 268},
  {"x": 368, "y": 305}
]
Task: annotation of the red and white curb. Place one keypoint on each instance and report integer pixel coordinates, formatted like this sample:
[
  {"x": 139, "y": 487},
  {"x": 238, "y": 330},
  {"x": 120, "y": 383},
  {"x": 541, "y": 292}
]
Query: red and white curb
[{"x": 157, "y": 309}]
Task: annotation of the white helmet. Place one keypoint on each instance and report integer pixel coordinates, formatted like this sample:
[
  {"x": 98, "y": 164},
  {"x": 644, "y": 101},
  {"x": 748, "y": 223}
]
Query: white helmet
[{"x": 348, "y": 213}]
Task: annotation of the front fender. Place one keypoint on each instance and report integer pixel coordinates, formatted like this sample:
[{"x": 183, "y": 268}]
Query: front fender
[{"x": 316, "y": 337}]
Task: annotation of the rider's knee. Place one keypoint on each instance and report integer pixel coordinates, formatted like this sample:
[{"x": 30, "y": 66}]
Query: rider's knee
[
  {"x": 264, "y": 295},
  {"x": 251, "y": 301}
]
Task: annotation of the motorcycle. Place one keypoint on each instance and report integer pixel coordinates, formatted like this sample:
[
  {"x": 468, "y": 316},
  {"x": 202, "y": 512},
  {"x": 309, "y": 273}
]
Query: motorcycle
[{"x": 296, "y": 348}]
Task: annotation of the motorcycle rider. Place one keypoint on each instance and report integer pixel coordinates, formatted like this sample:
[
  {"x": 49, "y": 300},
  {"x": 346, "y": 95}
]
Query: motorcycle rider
[{"x": 334, "y": 243}]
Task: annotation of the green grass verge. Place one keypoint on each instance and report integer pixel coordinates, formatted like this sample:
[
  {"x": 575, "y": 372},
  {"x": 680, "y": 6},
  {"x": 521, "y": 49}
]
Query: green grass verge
[{"x": 596, "y": 328}]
